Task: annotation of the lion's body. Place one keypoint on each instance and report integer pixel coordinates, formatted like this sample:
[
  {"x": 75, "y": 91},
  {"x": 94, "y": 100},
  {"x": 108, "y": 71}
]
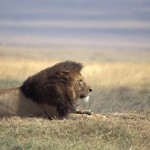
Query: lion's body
[
  {"x": 51, "y": 93},
  {"x": 14, "y": 103}
]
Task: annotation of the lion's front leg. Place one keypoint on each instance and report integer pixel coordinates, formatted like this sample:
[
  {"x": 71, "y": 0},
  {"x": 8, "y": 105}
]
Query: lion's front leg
[
  {"x": 83, "y": 114},
  {"x": 77, "y": 116},
  {"x": 87, "y": 112},
  {"x": 75, "y": 110}
]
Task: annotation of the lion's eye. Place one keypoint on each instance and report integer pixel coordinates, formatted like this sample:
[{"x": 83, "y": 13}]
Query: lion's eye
[{"x": 80, "y": 81}]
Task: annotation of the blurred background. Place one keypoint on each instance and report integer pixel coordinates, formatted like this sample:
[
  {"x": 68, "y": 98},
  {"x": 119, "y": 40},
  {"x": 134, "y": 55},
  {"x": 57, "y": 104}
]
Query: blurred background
[
  {"x": 75, "y": 24},
  {"x": 112, "y": 39}
]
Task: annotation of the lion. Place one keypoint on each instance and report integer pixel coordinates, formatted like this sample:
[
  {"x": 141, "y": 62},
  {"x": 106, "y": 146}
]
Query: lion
[{"x": 52, "y": 93}]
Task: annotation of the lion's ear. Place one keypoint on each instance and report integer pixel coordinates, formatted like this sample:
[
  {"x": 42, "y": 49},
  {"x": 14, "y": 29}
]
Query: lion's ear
[{"x": 63, "y": 74}]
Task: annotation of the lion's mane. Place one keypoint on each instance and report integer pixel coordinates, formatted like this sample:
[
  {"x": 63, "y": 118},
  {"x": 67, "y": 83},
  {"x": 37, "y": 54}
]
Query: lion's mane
[{"x": 53, "y": 86}]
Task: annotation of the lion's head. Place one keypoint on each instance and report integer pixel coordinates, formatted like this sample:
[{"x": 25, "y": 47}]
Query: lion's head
[{"x": 60, "y": 85}]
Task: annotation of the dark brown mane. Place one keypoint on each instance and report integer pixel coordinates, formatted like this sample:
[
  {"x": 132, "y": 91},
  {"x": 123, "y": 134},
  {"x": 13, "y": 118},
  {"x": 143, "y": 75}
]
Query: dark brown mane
[
  {"x": 53, "y": 86},
  {"x": 67, "y": 65}
]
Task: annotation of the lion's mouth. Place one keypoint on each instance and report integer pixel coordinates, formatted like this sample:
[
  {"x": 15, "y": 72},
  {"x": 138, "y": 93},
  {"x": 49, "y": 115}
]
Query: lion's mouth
[{"x": 85, "y": 97}]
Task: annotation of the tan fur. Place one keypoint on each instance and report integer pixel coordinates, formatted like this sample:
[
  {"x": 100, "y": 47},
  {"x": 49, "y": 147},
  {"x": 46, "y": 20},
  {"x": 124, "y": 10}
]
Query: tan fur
[{"x": 14, "y": 103}]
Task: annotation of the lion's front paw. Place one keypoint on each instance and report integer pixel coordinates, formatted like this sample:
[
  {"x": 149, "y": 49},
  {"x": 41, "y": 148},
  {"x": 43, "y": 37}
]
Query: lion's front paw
[
  {"x": 98, "y": 116},
  {"x": 87, "y": 112}
]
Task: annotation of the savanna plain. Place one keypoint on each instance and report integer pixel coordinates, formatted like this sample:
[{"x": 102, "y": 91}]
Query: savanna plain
[{"x": 121, "y": 92}]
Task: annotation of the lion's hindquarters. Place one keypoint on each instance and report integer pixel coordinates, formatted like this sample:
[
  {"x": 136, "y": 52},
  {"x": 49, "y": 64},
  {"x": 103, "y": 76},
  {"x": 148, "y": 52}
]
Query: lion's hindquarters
[{"x": 14, "y": 103}]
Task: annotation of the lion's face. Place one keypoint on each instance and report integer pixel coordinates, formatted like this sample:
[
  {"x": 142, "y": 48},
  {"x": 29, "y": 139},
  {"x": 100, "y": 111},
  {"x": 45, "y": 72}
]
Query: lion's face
[{"x": 81, "y": 88}]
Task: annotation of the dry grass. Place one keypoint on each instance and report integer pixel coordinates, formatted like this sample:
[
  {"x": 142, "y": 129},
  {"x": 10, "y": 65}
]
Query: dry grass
[
  {"x": 20, "y": 69},
  {"x": 118, "y": 87},
  {"x": 100, "y": 74},
  {"x": 119, "y": 73},
  {"x": 118, "y": 132}
]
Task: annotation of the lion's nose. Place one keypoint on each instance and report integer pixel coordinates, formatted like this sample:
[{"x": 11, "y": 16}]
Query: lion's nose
[{"x": 90, "y": 89}]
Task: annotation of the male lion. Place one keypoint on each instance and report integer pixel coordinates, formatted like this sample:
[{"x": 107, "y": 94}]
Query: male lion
[{"x": 51, "y": 93}]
